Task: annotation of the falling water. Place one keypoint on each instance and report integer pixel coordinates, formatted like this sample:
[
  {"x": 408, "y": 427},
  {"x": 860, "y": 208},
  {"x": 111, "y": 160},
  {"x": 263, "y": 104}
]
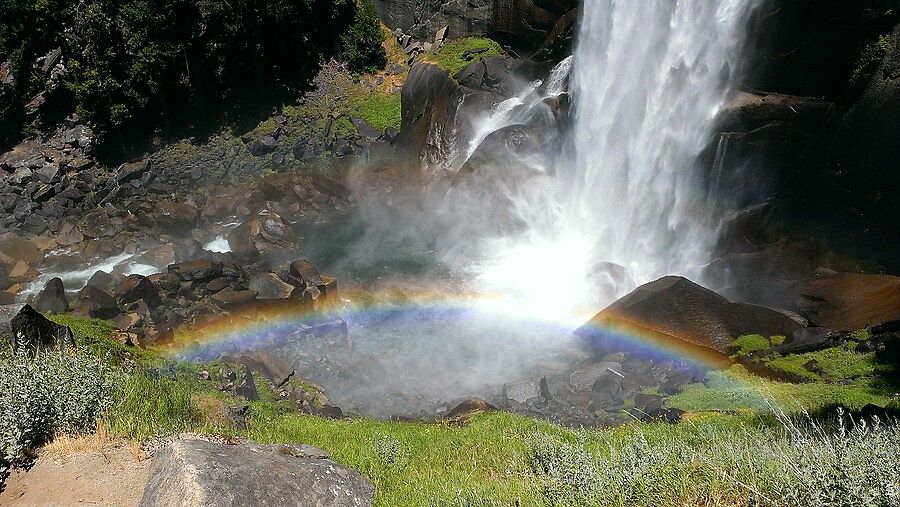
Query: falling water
[{"x": 625, "y": 205}]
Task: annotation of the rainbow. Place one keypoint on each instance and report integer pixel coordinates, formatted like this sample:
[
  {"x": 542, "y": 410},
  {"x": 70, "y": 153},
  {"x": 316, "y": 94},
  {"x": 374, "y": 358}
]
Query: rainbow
[{"x": 261, "y": 325}]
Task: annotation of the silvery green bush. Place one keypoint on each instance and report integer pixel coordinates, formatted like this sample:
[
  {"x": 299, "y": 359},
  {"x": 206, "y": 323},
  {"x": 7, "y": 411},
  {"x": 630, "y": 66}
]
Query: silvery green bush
[
  {"x": 51, "y": 393},
  {"x": 797, "y": 464}
]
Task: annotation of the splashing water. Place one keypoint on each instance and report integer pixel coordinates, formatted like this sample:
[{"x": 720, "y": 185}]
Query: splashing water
[{"x": 626, "y": 205}]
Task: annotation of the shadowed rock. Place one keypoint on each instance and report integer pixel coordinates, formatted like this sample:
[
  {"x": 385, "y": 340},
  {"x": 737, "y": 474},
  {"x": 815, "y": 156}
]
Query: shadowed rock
[
  {"x": 52, "y": 298},
  {"x": 197, "y": 472},
  {"x": 32, "y": 332}
]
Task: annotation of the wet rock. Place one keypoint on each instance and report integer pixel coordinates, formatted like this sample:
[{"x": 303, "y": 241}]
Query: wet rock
[
  {"x": 176, "y": 216},
  {"x": 19, "y": 248},
  {"x": 274, "y": 369},
  {"x": 97, "y": 303},
  {"x": 676, "y": 308},
  {"x": 269, "y": 286},
  {"x": 223, "y": 474},
  {"x": 102, "y": 280},
  {"x": 137, "y": 287},
  {"x": 196, "y": 270},
  {"x": 527, "y": 390},
  {"x": 229, "y": 297},
  {"x": 583, "y": 379},
  {"x": 265, "y": 233},
  {"x": 304, "y": 270},
  {"x": 468, "y": 408},
  {"x": 52, "y": 298},
  {"x": 32, "y": 332}
]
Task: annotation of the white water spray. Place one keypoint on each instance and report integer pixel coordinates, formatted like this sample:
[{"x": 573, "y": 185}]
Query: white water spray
[{"x": 626, "y": 206}]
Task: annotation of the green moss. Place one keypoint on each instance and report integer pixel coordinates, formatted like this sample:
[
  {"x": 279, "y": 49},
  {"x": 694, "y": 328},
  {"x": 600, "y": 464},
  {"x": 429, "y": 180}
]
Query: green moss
[
  {"x": 450, "y": 56},
  {"x": 861, "y": 335},
  {"x": 777, "y": 340},
  {"x": 748, "y": 343},
  {"x": 380, "y": 110}
]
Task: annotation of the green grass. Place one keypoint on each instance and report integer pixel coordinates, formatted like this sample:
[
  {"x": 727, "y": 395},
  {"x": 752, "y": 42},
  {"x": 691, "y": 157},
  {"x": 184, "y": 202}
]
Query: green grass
[
  {"x": 837, "y": 364},
  {"x": 738, "y": 390},
  {"x": 450, "y": 56},
  {"x": 750, "y": 343},
  {"x": 379, "y": 109},
  {"x": 96, "y": 335}
]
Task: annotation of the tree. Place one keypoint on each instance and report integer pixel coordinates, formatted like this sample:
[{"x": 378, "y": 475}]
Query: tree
[{"x": 363, "y": 42}]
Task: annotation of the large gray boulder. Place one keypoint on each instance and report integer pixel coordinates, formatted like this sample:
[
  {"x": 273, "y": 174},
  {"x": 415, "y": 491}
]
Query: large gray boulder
[
  {"x": 674, "y": 307},
  {"x": 193, "y": 471}
]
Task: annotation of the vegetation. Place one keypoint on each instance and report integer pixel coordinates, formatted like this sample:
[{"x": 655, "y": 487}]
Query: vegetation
[
  {"x": 379, "y": 109},
  {"x": 167, "y": 63},
  {"x": 456, "y": 55},
  {"x": 364, "y": 41},
  {"x": 868, "y": 60},
  {"x": 754, "y": 456},
  {"x": 837, "y": 364},
  {"x": 749, "y": 343}
]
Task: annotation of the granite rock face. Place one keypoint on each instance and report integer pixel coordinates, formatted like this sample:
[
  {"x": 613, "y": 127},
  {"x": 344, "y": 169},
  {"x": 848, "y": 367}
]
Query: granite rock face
[{"x": 192, "y": 471}]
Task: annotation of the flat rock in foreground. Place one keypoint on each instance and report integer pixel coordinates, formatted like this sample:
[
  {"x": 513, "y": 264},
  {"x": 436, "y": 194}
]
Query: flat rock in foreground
[{"x": 193, "y": 471}]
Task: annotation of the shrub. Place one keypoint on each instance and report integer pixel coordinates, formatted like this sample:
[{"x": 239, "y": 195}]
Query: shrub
[
  {"x": 868, "y": 59},
  {"x": 364, "y": 41},
  {"x": 52, "y": 393},
  {"x": 452, "y": 56}
]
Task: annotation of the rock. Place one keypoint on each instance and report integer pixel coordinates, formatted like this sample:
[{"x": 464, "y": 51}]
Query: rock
[
  {"x": 273, "y": 369},
  {"x": 176, "y": 216},
  {"x": 850, "y": 301},
  {"x": 52, "y": 298},
  {"x": 675, "y": 307},
  {"x": 515, "y": 151},
  {"x": 132, "y": 171},
  {"x": 527, "y": 390},
  {"x": 468, "y": 408},
  {"x": 584, "y": 379},
  {"x": 269, "y": 286},
  {"x": 32, "y": 332},
  {"x": 306, "y": 272},
  {"x": 102, "y": 280},
  {"x": 97, "y": 303},
  {"x": 265, "y": 233},
  {"x": 365, "y": 129},
  {"x": 430, "y": 99},
  {"x": 196, "y": 270},
  {"x": 649, "y": 404},
  {"x": 229, "y": 297},
  {"x": 137, "y": 287},
  {"x": 18, "y": 248},
  {"x": 263, "y": 146},
  {"x": 195, "y": 471}
]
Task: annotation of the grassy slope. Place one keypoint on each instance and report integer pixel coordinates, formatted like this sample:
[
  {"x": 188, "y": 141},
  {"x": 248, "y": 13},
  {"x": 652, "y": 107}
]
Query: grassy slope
[
  {"x": 450, "y": 56},
  {"x": 507, "y": 459}
]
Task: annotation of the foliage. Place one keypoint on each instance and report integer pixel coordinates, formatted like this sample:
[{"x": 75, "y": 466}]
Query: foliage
[
  {"x": 364, "y": 41},
  {"x": 133, "y": 63},
  {"x": 96, "y": 335},
  {"x": 868, "y": 59},
  {"x": 54, "y": 392},
  {"x": 748, "y": 343},
  {"x": 379, "y": 109},
  {"x": 452, "y": 55}
]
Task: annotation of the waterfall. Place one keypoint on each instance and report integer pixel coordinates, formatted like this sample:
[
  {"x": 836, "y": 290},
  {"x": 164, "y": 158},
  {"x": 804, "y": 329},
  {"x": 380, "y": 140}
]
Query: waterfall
[{"x": 626, "y": 204}]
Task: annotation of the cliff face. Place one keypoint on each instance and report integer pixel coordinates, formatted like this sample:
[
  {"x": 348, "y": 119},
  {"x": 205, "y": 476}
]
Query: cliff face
[{"x": 518, "y": 22}]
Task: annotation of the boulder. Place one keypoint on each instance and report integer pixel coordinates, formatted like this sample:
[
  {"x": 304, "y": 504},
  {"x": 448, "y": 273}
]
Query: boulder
[
  {"x": 231, "y": 298},
  {"x": 52, "y": 298},
  {"x": 306, "y": 272},
  {"x": 32, "y": 332},
  {"x": 515, "y": 151},
  {"x": 97, "y": 303},
  {"x": 175, "y": 216},
  {"x": 269, "y": 286},
  {"x": 137, "y": 287},
  {"x": 675, "y": 308},
  {"x": 850, "y": 301},
  {"x": 527, "y": 390},
  {"x": 131, "y": 171},
  {"x": 196, "y": 270},
  {"x": 430, "y": 99},
  {"x": 468, "y": 408},
  {"x": 273, "y": 369},
  {"x": 194, "y": 471},
  {"x": 18, "y": 248},
  {"x": 263, "y": 146},
  {"x": 263, "y": 234}
]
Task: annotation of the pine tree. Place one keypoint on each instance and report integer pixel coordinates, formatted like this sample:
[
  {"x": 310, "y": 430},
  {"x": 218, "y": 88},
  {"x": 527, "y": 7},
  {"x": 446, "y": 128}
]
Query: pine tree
[{"x": 363, "y": 42}]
